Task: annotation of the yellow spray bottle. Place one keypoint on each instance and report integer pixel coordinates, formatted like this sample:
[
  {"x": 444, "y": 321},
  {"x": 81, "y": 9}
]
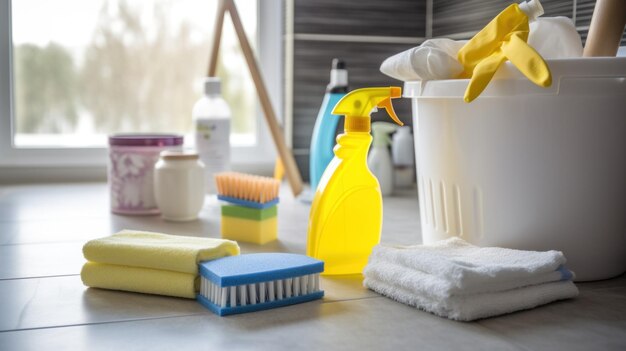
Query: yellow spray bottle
[
  {"x": 346, "y": 214},
  {"x": 503, "y": 38}
]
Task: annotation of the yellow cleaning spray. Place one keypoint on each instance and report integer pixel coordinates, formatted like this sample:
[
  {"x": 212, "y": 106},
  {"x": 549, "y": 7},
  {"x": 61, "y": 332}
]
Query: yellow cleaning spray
[{"x": 346, "y": 214}]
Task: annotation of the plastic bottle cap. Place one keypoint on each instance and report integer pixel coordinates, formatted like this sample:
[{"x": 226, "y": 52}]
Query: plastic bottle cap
[
  {"x": 338, "y": 77},
  {"x": 338, "y": 74},
  {"x": 357, "y": 124},
  {"x": 212, "y": 86},
  {"x": 339, "y": 64},
  {"x": 179, "y": 155},
  {"x": 532, "y": 9}
]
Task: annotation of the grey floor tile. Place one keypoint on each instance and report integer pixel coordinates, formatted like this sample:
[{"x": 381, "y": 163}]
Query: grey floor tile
[
  {"x": 592, "y": 321},
  {"x": 54, "y": 230},
  {"x": 345, "y": 287},
  {"x": 40, "y": 260},
  {"x": 601, "y": 284},
  {"x": 57, "y": 301},
  {"x": 401, "y": 219},
  {"x": 53, "y": 202},
  {"x": 370, "y": 324},
  {"x": 60, "y": 301}
]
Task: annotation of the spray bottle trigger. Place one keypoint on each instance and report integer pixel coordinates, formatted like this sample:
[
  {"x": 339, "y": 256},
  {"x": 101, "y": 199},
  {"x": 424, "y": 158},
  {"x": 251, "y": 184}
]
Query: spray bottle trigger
[{"x": 386, "y": 104}]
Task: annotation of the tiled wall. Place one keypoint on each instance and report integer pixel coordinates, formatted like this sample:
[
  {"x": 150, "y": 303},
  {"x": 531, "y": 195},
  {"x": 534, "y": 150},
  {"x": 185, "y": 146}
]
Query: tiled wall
[
  {"x": 312, "y": 61},
  {"x": 365, "y": 32},
  {"x": 396, "y": 18},
  {"x": 464, "y": 18},
  {"x": 461, "y": 19}
]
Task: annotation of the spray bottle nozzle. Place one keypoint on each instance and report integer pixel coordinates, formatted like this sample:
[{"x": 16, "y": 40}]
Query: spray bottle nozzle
[
  {"x": 386, "y": 104},
  {"x": 395, "y": 92},
  {"x": 358, "y": 105}
]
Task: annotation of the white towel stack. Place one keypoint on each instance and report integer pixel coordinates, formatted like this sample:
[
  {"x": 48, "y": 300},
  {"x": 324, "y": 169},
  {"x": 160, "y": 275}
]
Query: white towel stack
[{"x": 457, "y": 280}]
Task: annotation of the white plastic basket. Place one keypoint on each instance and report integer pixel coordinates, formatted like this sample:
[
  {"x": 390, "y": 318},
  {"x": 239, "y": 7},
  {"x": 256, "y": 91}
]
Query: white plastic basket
[{"x": 527, "y": 167}]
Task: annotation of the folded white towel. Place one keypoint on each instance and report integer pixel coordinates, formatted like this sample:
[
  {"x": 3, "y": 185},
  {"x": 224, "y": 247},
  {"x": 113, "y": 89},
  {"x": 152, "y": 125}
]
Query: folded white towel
[
  {"x": 438, "y": 287},
  {"x": 475, "y": 306},
  {"x": 467, "y": 266},
  {"x": 455, "y": 279}
]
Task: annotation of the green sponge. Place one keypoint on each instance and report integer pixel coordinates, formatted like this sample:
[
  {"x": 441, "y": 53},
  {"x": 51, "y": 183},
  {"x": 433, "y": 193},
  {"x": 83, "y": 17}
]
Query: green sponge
[{"x": 249, "y": 213}]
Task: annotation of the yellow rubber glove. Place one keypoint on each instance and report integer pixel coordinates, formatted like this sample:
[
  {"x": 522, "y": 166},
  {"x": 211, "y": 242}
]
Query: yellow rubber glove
[{"x": 503, "y": 38}]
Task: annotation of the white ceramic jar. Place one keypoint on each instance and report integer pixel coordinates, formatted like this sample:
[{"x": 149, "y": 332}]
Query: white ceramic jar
[{"x": 179, "y": 185}]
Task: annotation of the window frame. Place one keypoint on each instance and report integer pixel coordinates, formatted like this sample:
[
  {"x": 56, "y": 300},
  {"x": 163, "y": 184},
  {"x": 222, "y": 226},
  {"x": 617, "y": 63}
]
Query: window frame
[{"x": 258, "y": 157}]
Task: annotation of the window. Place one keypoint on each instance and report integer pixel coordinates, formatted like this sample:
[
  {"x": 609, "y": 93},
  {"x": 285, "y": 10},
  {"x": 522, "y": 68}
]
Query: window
[{"x": 75, "y": 71}]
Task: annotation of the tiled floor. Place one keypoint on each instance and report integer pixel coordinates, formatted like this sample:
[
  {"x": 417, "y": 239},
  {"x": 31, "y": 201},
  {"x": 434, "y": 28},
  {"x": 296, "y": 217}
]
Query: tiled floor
[{"x": 44, "y": 305}]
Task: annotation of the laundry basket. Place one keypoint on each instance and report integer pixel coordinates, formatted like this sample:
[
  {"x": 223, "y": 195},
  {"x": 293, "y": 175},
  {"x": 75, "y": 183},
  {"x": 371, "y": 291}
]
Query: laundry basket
[{"x": 526, "y": 167}]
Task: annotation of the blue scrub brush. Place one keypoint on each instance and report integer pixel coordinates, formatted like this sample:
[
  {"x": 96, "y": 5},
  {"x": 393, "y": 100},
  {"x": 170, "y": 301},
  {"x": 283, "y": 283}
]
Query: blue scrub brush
[{"x": 254, "y": 282}]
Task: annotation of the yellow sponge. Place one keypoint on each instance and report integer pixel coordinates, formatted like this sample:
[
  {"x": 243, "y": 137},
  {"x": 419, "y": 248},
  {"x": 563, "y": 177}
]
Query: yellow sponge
[{"x": 248, "y": 230}]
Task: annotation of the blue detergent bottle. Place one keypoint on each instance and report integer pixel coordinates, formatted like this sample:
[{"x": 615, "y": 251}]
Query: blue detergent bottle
[{"x": 323, "y": 139}]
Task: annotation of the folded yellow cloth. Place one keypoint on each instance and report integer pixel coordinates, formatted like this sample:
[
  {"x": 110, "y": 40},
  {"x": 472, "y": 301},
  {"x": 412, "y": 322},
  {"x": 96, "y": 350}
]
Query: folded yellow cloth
[
  {"x": 157, "y": 251},
  {"x": 143, "y": 280}
]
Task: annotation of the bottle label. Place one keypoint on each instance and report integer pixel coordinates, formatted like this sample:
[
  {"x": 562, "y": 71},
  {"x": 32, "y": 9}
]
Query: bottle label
[{"x": 212, "y": 139}]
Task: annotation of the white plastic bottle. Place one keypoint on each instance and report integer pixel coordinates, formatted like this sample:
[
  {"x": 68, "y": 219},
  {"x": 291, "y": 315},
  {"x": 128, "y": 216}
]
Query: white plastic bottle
[
  {"x": 403, "y": 152},
  {"x": 379, "y": 159},
  {"x": 211, "y": 118}
]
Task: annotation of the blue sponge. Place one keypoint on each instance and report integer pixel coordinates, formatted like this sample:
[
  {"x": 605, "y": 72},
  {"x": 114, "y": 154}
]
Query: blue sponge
[
  {"x": 247, "y": 203},
  {"x": 254, "y": 282}
]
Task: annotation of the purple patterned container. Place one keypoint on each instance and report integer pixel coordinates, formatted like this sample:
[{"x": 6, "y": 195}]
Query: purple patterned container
[{"x": 131, "y": 166}]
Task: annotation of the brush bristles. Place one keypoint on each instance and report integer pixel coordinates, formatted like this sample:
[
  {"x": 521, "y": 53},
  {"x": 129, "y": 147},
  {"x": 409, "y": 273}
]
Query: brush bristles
[
  {"x": 252, "y": 294},
  {"x": 247, "y": 187}
]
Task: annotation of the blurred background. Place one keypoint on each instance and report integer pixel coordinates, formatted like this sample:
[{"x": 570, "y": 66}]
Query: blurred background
[
  {"x": 86, "y": 69},
  {"x": 113, "y": 66}
]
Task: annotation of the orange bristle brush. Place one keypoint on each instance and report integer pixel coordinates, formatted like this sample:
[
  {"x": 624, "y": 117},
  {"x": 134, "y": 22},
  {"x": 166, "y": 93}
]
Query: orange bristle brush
[
  {"x": 253, "y": 215},
  {"x": 247, "y": 190}
]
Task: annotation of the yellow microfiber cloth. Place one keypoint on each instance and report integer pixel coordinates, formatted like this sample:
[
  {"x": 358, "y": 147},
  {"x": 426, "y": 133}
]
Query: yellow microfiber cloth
[
  {"x": 157, "y": 251},
  {"x": 143, "y": 280},
  {"x": 151, "y": 263}
]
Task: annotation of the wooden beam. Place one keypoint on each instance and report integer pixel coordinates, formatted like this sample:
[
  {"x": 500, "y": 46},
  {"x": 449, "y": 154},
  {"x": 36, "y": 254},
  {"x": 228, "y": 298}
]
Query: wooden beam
[
  {"x": 217, "y": 38},
  {"x": 291, "y": 169}
]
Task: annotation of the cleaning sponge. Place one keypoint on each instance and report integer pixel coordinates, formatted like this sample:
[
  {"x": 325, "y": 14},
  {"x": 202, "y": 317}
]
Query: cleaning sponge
[
  {"x": 256, "y": 282},
  {"x": 248, "y": 224},
  {"x": 251, "y": 217}
]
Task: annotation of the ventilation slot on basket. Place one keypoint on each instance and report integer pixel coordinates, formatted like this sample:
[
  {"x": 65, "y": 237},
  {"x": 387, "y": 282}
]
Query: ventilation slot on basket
[
  {"x": 443, "y": 206},
  {"x": 478, "y": 213},
  {"x": 431, "y": 197},
  {"x": 458, "y": 214},
  {"x": 422, "y": 200}
]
